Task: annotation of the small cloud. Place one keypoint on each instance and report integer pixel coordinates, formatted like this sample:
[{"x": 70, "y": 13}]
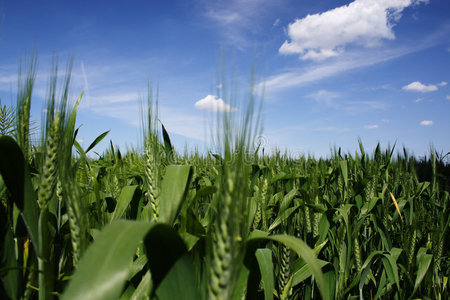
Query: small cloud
[
  {"x": 443, "y": 83},
  {"x": 374, "y": 126},
  {"x": 276, "y": 23},
  {"x": 417, "y": 86},
  {"x": 224, "y": 17},
  {"x": 418, "y": 100},
  {"x": 213, "y": 104},
  {"x": 448, "y": 97},
  {"x": 426, "y": 123},
  {"x": 219, "y": 86},
  {"x": 385, "y": 121}
]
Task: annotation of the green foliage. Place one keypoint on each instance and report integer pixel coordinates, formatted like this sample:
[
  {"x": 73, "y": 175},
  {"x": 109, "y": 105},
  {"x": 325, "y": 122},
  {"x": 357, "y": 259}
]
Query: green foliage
[
  {"x": 7, "y": 120},
  {"x": 154, "y": 224}
]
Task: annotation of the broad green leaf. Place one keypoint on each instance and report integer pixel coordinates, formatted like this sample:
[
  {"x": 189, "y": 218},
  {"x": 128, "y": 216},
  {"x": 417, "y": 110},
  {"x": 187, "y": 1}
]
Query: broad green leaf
[
  {"x": 9, "y": 274},
  {"x": 70, "y": 126},
  {"x": 125, "y": 197},
  {"x": 143, "y": 289},
  {"x": 164, "y": 247},
  {"x": 189, "y": 239},
  {"x": 137, "y": 266},
  {"x": 46, "y": 268},
  {"x": 390, "y": 266},
  {"x": 206, "y": 191},
  {"x": 344, "y": 169},
  {"x": 305, "y": 272},
  {"x": 104, "y": 268},
  {"x": 79, "y": 148},
  {"x": 179, "y": 283},
  {"x": 174, "y": 188},
  {"x": 264, "y": 257},
  {"x": 241, "y": 288},
  {"x": 282, "y": 217},
  {"x": 97, "y": 140},
  {"x": 167, "y": 145},
  {"x": 368, "y": 206},
  {"x": 128, "y": 292},
  {"x": 324, "y": 226},
  {"x": 423, "y": 262},
  {"x": 362, "y": 280},
  {"x": 381, "y": 285},
  {"x": 307, "y": 254},
  {"x": 287, "y": 199},
  {"x": 329, "y": 276},
  {"x": 17, "y": 179},
  {"x": 250, "y": 275}
]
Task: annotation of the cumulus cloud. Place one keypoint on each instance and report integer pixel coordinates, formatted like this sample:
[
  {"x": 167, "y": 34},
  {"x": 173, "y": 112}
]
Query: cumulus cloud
[
  {"x": 213, "y": 104},
  {"x": 426, "y": 123},
  {"x": 362, "y": 22},
  {"x": 374, "y": 126},
  {"x": 417, "y": 86}
]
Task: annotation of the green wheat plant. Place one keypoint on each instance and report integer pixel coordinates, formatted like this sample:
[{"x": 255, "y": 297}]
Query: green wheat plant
[{"x": 235, "y": 222}]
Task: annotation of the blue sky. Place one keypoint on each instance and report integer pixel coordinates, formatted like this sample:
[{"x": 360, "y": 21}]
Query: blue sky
[{"x": 332, "y": 71}]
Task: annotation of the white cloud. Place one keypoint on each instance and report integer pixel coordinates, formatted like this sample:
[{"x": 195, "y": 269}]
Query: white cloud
[
  {"x": 362, "y": 22},
  {"x": 426, "y": 123},
  {"x": 8, "y": 79},
  {"x": 448, "y": 97},
  {"x": 213, "y": 104},
  {"x": 442, "y": 83},
  {"x": 374, "y": 126},
  {"x": 346, "y": 62},
  {"x": 417, "y": 86},
  {"x": 276, "y": 23},
  {"x": 103, "y": 100},
  {"x": 224, "y": 17},
  {"x": 418, "y": 100},
  {"x": 238, "y": 20},
  {"x": 332, "y": 100}
]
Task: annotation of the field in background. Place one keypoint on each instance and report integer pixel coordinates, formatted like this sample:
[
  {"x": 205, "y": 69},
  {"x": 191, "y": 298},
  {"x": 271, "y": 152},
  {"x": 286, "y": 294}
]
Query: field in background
[{"x": 232, "y": 225}]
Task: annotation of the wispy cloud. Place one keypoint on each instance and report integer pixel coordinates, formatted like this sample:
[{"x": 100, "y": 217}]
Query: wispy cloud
[
  {"x": 276, "y": 23},
  {"x": 346, "y": 62},
  {"x": 426, "y": 123},
  {"x": 374, "y": 126},
  {"x": 238, "y": 20},
  {"x": 362, "y": 22},
  {"x": 417, "y": 86},
  {"x": 356, "y": 107},
  {"x": 111, "y": 98},
  {"x": 448, "y": 97},
  {"x": 334, "y": 100},
  {"x": 213, "y": 104}
]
